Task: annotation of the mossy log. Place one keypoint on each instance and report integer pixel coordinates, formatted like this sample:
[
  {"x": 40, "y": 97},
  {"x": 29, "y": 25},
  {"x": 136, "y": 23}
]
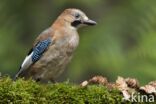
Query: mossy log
[{"x": 31, "y": 92}]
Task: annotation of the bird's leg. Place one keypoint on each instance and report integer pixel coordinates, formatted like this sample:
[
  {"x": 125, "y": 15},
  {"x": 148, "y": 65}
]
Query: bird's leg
[
  {"x": 42, "y": 80},
  {"x": 52, "y": 80},
  {"x": 39, "y": 79}
]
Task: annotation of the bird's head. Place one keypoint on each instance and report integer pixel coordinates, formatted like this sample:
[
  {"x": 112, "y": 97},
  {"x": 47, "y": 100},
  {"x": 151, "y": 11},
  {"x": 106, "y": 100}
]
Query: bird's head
[{"x": 76, "y": 18}]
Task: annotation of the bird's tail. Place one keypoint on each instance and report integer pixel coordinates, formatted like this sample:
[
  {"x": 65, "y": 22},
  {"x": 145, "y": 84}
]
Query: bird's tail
[{"x": 17, "y": 74}]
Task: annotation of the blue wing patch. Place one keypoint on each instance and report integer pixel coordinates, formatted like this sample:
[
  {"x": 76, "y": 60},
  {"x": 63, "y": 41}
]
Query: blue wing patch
[{"x": 39, "y": 49}]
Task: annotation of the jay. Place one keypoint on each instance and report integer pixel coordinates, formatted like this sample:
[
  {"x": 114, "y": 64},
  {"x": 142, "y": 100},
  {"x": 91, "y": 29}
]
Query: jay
[{"x": 54, "y": 47}]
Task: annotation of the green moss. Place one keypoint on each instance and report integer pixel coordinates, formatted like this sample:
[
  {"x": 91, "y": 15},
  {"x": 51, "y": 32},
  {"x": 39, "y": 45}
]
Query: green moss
[{"x": 30, "y": 92}]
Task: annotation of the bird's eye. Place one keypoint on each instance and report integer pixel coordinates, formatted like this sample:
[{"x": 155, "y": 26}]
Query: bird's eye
[{"x": 77, "y": 15}]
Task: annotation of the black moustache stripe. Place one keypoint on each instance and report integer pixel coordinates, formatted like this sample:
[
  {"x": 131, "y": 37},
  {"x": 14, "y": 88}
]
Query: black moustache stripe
[{"x": 76, "y": 23}]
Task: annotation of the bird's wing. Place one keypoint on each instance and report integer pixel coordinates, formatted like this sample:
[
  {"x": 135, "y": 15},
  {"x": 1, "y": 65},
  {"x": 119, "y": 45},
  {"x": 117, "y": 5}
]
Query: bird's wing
[{"x": 34, "y": 54}]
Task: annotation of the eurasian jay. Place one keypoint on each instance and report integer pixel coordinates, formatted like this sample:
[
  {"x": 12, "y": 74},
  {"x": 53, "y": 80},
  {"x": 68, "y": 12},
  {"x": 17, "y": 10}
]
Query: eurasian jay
[{"x": 54, "y": 47}]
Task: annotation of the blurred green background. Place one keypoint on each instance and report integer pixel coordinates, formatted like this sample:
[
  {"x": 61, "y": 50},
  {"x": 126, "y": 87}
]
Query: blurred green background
[{"x": 123, "y": 43}]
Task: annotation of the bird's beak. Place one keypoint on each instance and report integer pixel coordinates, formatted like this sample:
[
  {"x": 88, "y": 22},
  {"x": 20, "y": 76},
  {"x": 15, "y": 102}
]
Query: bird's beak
[{"x": 89, "y": 22}]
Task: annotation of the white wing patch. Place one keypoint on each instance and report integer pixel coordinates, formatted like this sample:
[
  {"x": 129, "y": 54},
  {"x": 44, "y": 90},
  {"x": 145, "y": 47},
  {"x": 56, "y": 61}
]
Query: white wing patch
[
  {"x": 27, "y": 61},
  {"x": 26, "y": 64}
]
